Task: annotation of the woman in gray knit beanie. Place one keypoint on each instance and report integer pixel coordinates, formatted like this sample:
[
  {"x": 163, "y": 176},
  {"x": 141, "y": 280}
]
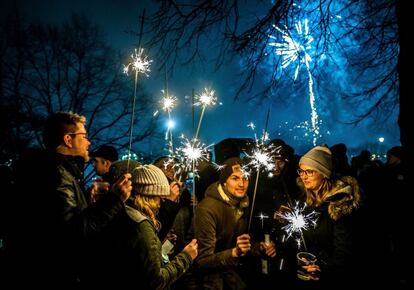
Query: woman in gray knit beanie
[
  {"x": 133, "y": 244},
  {"x": 335, "y": 200}
]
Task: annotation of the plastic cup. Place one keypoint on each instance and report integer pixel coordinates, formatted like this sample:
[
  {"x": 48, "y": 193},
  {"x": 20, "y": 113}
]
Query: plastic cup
[{"x": 305, "y": 259}]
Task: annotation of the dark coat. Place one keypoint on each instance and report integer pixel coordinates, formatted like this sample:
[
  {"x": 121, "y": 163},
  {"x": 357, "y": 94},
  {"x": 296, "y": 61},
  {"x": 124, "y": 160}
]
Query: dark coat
[
  {"x": 217, "y": 223},
  {"x": 55, "y": 225},
  {"x": 333, "y": 239},
  {"x": 131, "y": 256}
]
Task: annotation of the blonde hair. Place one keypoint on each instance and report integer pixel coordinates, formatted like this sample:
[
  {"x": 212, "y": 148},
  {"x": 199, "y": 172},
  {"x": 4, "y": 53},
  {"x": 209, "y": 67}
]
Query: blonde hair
[
  {"x": 316, "y": 198},
  {"x": 147, "y": 205}
]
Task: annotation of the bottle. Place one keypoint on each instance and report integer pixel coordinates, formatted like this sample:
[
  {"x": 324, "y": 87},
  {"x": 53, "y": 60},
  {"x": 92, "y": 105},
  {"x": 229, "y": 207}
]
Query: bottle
[{"x": 265, "y": 262}]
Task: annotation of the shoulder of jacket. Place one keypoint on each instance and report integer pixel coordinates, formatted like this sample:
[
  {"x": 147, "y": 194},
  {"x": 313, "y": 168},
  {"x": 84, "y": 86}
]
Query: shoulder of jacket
[{"x": 135, "y": 215}]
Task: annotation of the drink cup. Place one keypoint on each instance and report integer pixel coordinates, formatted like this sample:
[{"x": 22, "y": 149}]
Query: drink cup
[{"x": 305, "y": 259}]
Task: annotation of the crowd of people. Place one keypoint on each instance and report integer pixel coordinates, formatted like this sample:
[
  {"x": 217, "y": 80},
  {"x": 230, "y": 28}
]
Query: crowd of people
[{"x": 139, "y": 225}]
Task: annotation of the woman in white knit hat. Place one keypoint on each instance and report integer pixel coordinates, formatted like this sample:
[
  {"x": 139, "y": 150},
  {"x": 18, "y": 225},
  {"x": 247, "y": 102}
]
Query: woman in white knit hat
[{"x": 336, "y": 201}]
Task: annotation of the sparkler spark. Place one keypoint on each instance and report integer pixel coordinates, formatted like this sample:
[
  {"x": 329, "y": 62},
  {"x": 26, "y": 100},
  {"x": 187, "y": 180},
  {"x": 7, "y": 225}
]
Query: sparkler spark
[
  {"x": 262, "y": 217},
  {"x": 261, "y": 157},
  {"x": 189, "y": 155},
  {"x": 168, "y": 102},
  {"x": 298, "y": 220},
  {"x": 251, "y": 125},
  {"x": 140, "y": 63},
  {"x": 206, "y": 98}
]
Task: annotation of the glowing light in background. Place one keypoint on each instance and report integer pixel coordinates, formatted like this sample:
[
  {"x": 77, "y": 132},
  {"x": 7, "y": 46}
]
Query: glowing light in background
[{"x": 170, "y": 124}]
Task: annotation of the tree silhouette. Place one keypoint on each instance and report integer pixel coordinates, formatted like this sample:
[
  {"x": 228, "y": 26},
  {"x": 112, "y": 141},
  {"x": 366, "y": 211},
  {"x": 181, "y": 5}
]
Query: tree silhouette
[
  {"x": 49, "y": 68},
  {"x": 354, "y": 52}
]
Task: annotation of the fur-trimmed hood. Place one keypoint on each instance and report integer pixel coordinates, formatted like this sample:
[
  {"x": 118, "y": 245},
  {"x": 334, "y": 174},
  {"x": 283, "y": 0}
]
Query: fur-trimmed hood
[{"x": 343, "y": 198}]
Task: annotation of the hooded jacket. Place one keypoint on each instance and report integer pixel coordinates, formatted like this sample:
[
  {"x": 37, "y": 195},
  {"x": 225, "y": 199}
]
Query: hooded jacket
[{"x": 219, "y": 219}]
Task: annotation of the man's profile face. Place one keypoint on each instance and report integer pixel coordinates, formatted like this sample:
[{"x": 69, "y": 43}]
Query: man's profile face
[
  {"x": 79, "y": 142},
  {"x": 101, "y": 165}
]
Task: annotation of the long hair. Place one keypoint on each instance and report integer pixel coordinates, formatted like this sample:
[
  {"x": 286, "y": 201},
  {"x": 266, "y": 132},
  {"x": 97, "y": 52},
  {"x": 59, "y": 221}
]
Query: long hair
[
  {"x": 148, "y": 206},
  {"x": 316, "y": 198}
]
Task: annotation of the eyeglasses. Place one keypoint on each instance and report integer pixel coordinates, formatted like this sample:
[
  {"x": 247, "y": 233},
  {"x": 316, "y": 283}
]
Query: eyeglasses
[
  {"x": 85, "y": 135},
  {"x": 307, "y": 172}
]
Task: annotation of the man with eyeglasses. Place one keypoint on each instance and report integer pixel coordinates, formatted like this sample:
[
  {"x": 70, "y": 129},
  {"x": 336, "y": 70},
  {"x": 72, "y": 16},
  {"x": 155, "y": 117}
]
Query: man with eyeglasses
[{"x": 57, "y": 229}]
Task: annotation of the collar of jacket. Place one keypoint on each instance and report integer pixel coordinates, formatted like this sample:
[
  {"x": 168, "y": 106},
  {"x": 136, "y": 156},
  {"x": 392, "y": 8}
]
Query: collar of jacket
[
  {"x": 343, "y": 198},
  {"x": 74, "y": 164},
  {"x": 233, "y": 201},
  {"x": 135, "y": 215}
]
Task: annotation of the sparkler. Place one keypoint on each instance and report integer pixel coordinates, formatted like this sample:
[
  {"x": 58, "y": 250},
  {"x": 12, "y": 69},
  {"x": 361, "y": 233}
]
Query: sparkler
[
  {"x": 262, "y": 217},
  {"x": 188, "y": 156},
  {"x": 168, "y": 102},
  {"x": 193, "y": 149},
  {"x": 141, "y": 65},
  {"x": 298, "y": 220},
  {"x": 260, "y": 160},
  {"x": 297, "y": 48},
  {"x": 205, "y": 99}
]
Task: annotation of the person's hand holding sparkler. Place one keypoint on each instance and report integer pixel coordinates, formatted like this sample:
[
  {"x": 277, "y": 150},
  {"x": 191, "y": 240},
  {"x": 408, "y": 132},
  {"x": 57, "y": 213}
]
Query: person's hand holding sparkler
[
  {"x": 243, "y": 246},
  {"x": 175, "y": 191}
]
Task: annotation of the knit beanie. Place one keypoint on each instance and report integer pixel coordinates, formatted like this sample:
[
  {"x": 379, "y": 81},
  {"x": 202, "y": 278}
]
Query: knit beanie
[
  {"x": 231, "y": 165},
  {"x": 150, "y": 180},
  {"x": 318, "y": 158}
]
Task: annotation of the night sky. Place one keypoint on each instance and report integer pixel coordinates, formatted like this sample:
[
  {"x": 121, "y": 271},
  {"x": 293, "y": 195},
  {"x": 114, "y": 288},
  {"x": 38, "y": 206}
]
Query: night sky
[{"x": 231, "y": 118}]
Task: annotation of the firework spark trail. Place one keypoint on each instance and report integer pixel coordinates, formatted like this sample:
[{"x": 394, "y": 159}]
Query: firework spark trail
[
  {"x": 298, "y": 220},
  {"x": 294, "y": 49},
  {"x": 140, "y": 64},
  {"x": 314, "y": 114}
]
